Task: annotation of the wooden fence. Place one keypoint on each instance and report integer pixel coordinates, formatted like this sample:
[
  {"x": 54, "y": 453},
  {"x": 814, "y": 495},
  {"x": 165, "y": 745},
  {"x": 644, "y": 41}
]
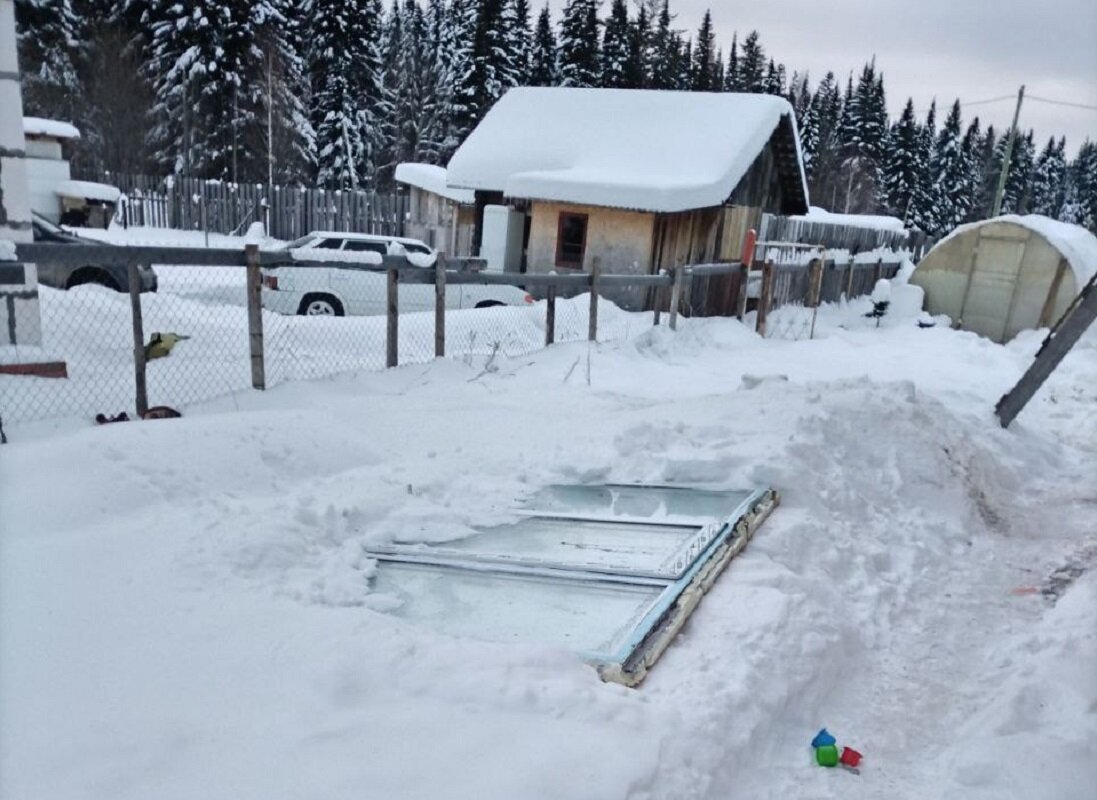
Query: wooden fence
[
  {"x": 839, "y": 237},
  {"x": 223, "y": 207}
]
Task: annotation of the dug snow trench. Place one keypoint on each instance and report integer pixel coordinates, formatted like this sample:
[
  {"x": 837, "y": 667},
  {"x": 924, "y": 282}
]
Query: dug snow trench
[{"x": 185, "y": 607}]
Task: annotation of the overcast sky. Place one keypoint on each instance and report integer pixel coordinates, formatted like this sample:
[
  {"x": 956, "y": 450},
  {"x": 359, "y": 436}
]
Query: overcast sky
[{"x": 971, "y": 49}]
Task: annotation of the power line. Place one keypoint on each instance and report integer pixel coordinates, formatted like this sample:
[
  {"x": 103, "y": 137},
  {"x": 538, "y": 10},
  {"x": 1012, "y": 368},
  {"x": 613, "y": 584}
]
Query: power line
[{"x": 1063, "y": 103}]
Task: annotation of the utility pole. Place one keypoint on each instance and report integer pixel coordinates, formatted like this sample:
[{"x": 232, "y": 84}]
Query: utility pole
[{"x": 1007, "y": 156}]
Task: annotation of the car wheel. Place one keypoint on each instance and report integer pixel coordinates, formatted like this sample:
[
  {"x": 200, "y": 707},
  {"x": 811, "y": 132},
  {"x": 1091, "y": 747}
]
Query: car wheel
[
  {"x": 320, "y": 305},
  {"x": 489, "y": 304},
  {"x": 86, "y": 275}
]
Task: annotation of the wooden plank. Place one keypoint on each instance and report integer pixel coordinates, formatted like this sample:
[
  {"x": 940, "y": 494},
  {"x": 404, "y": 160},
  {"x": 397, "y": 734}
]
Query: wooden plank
[
  {"x": 1052, "y": 293},
  {"x": 1062, "y": 338},
  {"x": 676, "y": 297},
  {"x": 766, "y": 298},
  {"x": 255, "y": 317}
]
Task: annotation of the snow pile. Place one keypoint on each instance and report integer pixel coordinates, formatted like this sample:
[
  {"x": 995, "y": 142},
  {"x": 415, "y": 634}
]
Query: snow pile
[
  {"x": 647, "y": 150},
  {"x": 433, "y": 179},
  {"x": 37, "y": 126},
  {"x": 7, "y": 250}
]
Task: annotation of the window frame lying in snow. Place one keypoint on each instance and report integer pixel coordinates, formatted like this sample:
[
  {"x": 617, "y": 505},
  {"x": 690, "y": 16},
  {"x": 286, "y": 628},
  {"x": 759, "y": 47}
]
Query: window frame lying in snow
[{"x": 560, "y": 554}]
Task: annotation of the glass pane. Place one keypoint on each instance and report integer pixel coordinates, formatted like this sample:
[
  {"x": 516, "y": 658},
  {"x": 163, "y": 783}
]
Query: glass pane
[
  {"x": 372, "y": 247},
  {"x": 658, "y": 503},
  {"x": 329, "y": 244},
  {"x": 609, "y": 547},
  {"x": 590, "y": 617}
]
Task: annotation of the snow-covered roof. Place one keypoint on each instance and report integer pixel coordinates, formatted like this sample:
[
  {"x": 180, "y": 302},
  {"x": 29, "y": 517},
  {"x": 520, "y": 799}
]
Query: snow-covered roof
[
  {"x": 646, "y": 150},
  {"x": 1077, "y": 244},
  {"x": 37, "y": 126},
  {"x": 871, "y": 221},
  {"x": 433, "y": 179},
  {"x": 88, "y": 190}
]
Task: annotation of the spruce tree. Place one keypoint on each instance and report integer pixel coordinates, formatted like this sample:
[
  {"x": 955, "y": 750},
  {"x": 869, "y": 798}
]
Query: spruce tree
[
  {"x": 703, "y": 77},
  {"x": 903, "y": 168},
  {"x": 948, "y": 176},
  {"x": 578, "y": 44},
  {"x": 774, "y": 81},
  {"x": 663, "y": 55},
  {"x": 637, "y": 68},
  {"x": 971, "y": 145},
  {"x": 519, "y": 39},
  {"x": 543, "y": 53},
  {"x": 347, "y": 103},
  {"x": 1049, "y": 180},
  {"x": 732, "y": 81},
  {"x": 46, "y": 36},
  {"x": 924, "y": 205},
  {"x": 752, "y": 66},
  {"x": 615, "y": 48},
  {"x": 1081, "y": 195}
]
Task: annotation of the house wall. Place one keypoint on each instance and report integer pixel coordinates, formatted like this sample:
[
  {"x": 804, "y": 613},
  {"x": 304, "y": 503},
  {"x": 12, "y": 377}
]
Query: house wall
[{"x": 620, "y": 239}]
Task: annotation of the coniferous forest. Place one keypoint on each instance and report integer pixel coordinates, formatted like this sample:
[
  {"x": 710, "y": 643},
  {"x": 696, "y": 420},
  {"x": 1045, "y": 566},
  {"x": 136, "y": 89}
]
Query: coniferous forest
[{"x": 337, "y": 92}]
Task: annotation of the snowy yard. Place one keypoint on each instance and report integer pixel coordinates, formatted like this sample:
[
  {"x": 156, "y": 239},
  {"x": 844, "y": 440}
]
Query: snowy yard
[{"x": 185, "y": 609}]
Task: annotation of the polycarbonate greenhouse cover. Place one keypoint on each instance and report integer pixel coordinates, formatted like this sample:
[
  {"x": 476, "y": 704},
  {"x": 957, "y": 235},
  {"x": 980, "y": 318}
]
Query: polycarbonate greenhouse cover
[{"x": 610, "y": 572}]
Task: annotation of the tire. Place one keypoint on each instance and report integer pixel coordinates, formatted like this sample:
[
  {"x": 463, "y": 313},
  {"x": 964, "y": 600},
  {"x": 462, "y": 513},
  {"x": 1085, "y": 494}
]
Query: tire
[
  {"x": 489, "y": 304},
  {"x": 86, "y": 275},
  {"x": 320, "y": 305}
]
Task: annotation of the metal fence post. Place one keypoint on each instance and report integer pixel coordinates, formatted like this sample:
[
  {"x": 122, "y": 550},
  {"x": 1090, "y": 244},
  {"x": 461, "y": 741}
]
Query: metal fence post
[
  {"x": 440, "y": 306},
  {"x": 550, "y": 315},
  {"x": 595, "y": 272},
  {"x": 766, "y": 298},
  {"x": 255, "y": 316},
  {"x": 142, "y": 397},
  {"x": 393, "y": 330}
]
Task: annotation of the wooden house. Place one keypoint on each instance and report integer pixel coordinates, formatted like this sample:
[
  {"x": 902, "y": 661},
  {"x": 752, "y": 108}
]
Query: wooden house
[{"x": 641, "y": 180}]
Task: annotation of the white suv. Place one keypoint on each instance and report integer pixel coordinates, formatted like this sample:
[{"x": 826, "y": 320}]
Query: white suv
[{"x": 319, "y": 291}]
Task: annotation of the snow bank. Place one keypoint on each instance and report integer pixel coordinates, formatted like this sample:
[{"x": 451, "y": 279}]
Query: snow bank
[
  {"x": 647, "y": 150},
  {"x": 337, "y": 256},
  {"x": 433, "y": 179},
  {"x": 37, "y": 126}
]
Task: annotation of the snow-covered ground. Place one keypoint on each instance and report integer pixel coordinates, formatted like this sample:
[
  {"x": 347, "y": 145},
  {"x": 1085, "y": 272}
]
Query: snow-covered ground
[{"x": 185, "y": 609}]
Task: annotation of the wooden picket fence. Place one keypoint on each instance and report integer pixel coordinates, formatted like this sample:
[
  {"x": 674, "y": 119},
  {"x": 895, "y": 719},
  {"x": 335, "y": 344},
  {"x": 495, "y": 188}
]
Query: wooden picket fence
[{"x": 224, "y": 207}]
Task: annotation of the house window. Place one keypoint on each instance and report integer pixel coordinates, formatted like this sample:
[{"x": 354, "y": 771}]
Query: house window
[{"x": 571, "y": 240}]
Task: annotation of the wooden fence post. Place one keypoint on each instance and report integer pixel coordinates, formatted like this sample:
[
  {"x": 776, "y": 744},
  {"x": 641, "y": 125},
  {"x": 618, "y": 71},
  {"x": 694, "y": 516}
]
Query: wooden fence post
[
  {"x": 550, "y": 315},
  {"x": 766, "y": 298},
  {"x": 393, "y": 330},
  {"x": 142, "y": 397},
  {"x": 849, "y": 279},
  {"x": 878, "y": 271},
  {"x": 750, "y": 243},
  {"x": 595, "y": 272},
  {"x": 440, "y": 306},
  {"x": 657, "y": 305},
  {"x": 676, "y": 296},
  {"x": 255, "y": 316},
  {"x": 815, "y": 282}
]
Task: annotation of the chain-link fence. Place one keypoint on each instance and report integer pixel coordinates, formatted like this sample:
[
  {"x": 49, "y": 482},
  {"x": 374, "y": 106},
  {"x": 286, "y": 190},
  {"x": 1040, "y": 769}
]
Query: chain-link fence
[{"x": 212, "y": 323}]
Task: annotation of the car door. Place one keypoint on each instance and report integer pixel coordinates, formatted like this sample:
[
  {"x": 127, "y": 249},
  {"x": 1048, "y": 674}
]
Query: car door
[{"x": 367, "y": 292}]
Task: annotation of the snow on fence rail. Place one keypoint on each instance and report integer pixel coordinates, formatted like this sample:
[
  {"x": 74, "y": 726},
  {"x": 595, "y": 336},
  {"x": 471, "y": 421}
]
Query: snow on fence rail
[
  {"x": 207, "y": 332},
  {"x": 225, "y": 207}
]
